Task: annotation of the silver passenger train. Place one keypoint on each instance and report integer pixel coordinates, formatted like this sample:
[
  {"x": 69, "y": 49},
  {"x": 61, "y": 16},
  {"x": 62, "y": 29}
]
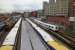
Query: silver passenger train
[{"x": 46, "y": 25}]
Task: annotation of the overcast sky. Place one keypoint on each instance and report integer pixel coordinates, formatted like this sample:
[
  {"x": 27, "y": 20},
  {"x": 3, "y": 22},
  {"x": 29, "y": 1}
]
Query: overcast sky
[{"x": 12, "y": 5}]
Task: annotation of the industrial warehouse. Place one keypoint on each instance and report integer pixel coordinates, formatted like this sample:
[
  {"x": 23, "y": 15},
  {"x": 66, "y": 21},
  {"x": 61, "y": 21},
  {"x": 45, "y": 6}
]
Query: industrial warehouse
[{"x": 37, "y": 25}]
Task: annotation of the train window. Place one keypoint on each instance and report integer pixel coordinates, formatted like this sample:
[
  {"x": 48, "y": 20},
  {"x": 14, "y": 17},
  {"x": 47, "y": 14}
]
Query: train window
[
  {"x": 51, "y": 27},
  {"x": 56, "y": 27}
]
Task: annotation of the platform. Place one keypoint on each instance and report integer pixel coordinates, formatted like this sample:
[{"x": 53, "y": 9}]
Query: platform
[{"x": 30, "y": 40}]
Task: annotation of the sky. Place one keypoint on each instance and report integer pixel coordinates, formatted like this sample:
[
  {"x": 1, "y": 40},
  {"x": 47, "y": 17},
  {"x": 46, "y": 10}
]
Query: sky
[{"x": 20, "y": 5}]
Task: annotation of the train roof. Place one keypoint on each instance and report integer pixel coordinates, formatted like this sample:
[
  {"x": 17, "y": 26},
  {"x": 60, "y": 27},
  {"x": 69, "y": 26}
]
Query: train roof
[{"x": 47, "y": 23}]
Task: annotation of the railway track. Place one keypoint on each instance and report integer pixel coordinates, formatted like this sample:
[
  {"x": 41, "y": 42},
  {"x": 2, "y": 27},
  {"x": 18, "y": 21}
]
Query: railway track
[
  {"x": 3, "y": 34},
  {"x": 12, "y": 42},
  {"x": 6, "y": 25},
  {"x": 68, "y": 40},
  {"x": 71, "y": 40}
]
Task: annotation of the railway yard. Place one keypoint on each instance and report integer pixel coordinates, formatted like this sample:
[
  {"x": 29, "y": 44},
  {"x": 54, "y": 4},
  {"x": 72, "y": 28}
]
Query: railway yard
[
  {"x": 19, "y": 33},
  {"x": 6, "y": 24},
  {"x": 37, "y": 25}
]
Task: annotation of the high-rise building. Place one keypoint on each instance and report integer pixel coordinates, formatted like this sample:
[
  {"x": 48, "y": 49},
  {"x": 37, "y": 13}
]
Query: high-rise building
[
  {"x": 51, "y": 1},
  {"x": 56, "y": 8},
  {"x": 60, "y": 11},
  {"x": 39, "y": 13},
  {"x": 62, "y": 7},
  {"x": 72, "y": 8},
  {"x": 45, "y": 8}
]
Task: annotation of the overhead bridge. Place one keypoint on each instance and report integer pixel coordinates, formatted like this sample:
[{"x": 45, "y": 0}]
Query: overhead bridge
[{"x": 26, "y": 35}]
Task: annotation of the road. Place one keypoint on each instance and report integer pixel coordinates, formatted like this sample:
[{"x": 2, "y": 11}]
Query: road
[{"x": 30, "y": 40}]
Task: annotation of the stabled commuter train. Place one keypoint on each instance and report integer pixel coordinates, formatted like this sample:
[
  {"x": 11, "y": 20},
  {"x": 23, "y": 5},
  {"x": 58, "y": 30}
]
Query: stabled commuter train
[{"x": 46, "y": 25}]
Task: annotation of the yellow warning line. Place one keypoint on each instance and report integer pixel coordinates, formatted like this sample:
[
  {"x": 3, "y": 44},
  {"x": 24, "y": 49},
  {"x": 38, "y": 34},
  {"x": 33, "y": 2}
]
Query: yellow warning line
[
  {"x": 57, "y": 45},
  {"x": 9, "y": 41},
  {"x": 6, "y": 47}
]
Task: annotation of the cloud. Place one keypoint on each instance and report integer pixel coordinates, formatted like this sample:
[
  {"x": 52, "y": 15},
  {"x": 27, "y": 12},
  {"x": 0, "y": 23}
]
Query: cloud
[{"x": 11, "y": 5}]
